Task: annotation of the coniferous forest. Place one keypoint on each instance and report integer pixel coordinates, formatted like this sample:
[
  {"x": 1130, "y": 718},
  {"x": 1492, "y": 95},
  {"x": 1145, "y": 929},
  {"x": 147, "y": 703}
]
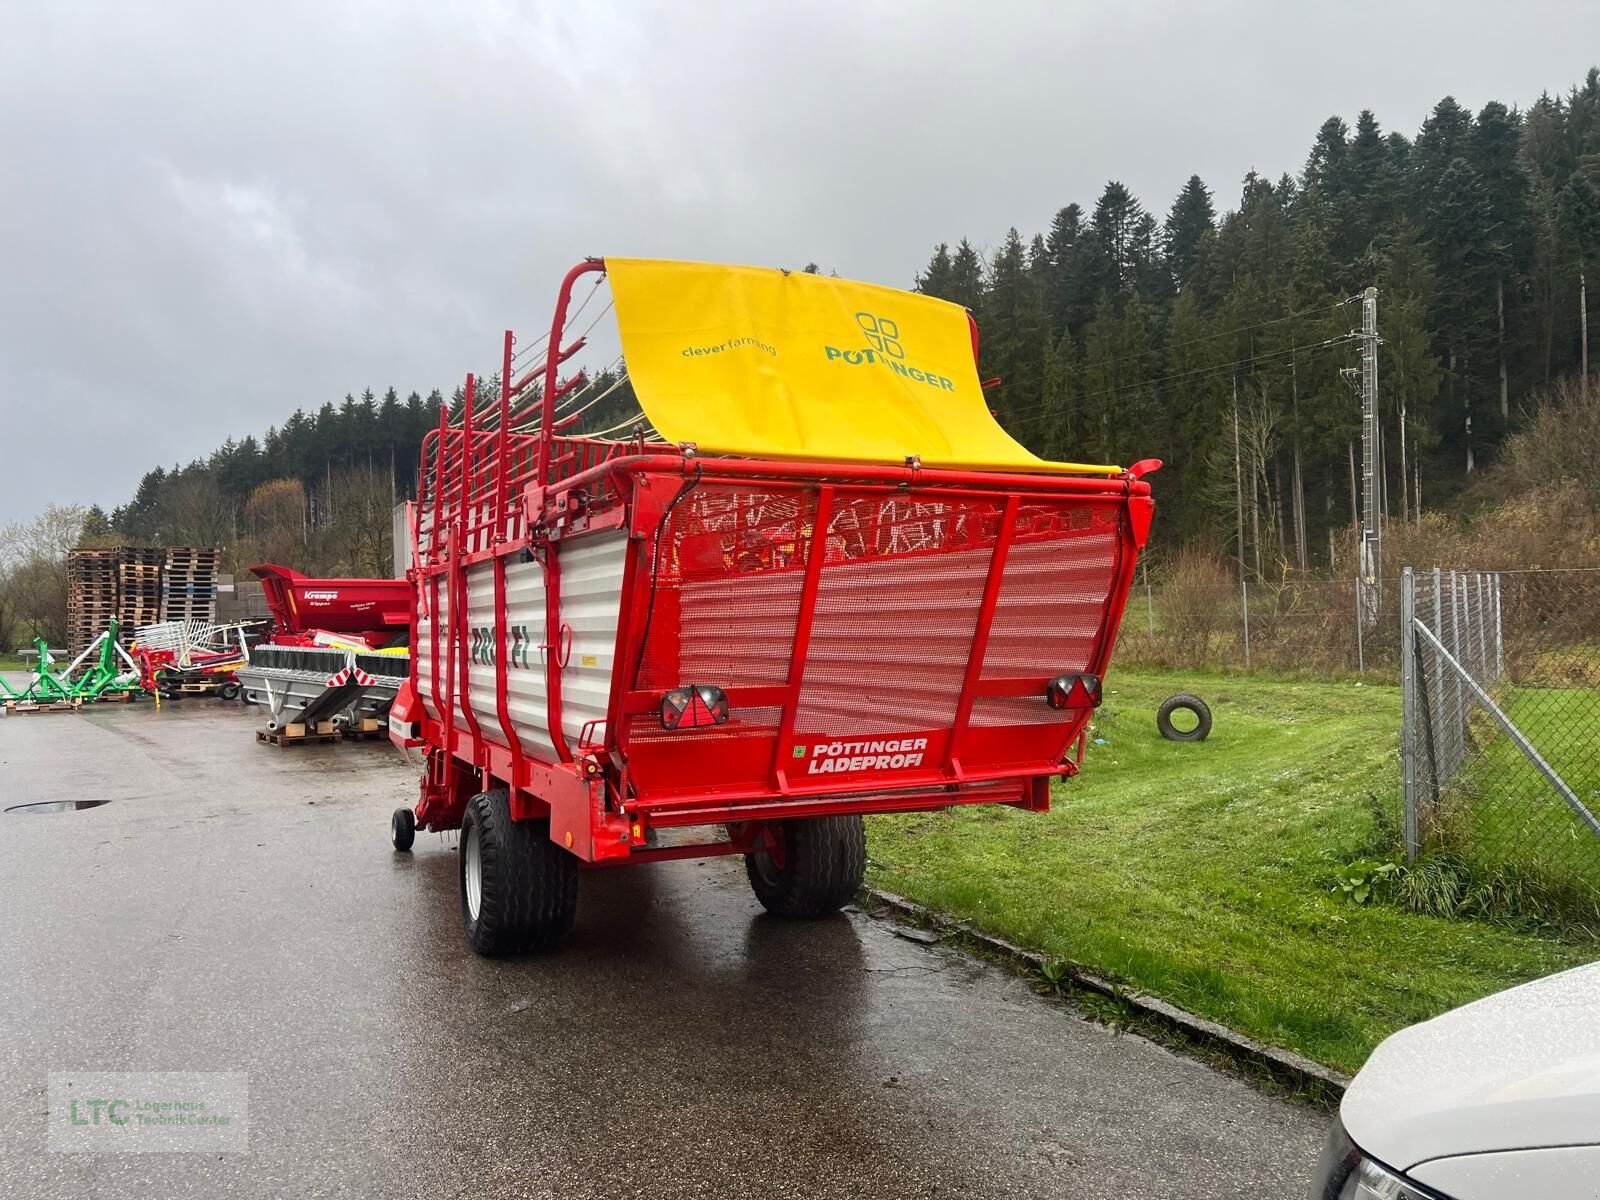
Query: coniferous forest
[{"x": 1211, "y": 330}]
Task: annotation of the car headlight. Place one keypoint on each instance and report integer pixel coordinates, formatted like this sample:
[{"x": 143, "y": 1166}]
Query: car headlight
[{"x": 1345, "y": 1173}]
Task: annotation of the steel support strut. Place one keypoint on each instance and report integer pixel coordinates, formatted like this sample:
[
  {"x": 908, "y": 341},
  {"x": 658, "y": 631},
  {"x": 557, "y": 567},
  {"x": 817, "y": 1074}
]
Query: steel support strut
[
  {"x": 501, "y": 489},
  {"x": 552, "y": 549},
  {"x": 980, "y": 635},
  {"x": 460, "y": 603},
  {"x": 816, "y": 555}
]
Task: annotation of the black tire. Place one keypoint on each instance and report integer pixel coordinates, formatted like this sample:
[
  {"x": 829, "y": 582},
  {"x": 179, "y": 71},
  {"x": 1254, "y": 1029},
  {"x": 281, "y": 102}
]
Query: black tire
[
  {"x": 527, "y": 885},
  {"x": 1192, "y": 704},
  {"x": 228, "y": 691},
  {"x": 823, "y": 861},
  {"x": 403, "y": 829}
]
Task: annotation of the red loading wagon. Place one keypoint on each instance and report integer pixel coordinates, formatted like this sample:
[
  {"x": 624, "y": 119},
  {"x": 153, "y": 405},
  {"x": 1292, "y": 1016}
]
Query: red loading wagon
[
  {"x": 377, "y": 609},
  {"x": 815, "y": 580}
]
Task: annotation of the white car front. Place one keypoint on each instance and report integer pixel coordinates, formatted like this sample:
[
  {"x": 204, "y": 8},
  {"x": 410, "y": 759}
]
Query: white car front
[{"x": 1496, "y": 1100}]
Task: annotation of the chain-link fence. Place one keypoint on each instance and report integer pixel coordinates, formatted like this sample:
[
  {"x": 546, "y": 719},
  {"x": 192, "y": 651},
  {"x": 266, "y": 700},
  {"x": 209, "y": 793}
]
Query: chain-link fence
[
  {"x": 1500, "y": 677},
  {"x": 1204, "y": 619}
]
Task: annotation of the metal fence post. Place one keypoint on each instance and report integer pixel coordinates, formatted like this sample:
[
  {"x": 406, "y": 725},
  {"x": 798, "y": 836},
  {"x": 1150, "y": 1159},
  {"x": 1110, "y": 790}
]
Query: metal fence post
[
  {"x": 1408, "y": 705},
  {"x": 1436, "y": 708},
  {"x": 1149, "y": 604},
  {"x": 1500, "y": 636},
  {"x": 1244, "y": 590},
  {"x": 1361, "y": 654},
  {"x": 1458, "y": 613},
  {"x": 1483, "y": 632}
]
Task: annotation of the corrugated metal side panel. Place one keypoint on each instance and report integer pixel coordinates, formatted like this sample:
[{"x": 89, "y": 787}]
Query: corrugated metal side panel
[
  {"x": 591, "y": 603},
  {"x": 591, "y": 585},
  {"x": 422, "y": 652}
]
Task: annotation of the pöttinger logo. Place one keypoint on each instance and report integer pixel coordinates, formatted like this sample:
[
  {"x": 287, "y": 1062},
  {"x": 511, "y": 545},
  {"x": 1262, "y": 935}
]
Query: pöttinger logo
[
  {"x": 882, "y": 333},
  {"x": 884, "y": 349}
]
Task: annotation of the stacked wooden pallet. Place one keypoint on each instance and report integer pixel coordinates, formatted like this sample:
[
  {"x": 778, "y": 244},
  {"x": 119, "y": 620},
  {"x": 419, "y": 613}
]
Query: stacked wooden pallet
[
  {"x": 189, "y": 590},
  {"x": 139, "y": 587},
  {"x": 92, "y": 594}
]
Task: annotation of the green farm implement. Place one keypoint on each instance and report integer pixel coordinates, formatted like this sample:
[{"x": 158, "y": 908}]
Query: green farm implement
[{"x": 108, "y": 672}]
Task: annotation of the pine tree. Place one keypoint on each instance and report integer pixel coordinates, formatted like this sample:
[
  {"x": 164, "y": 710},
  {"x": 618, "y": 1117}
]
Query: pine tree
[
  {"x": 1118, "y": 401},
  {"x": 1373, "y": 198},
  {"x": 1194, "y": 395},
  {"x": 966, "y": 277},
  {"x": 1016, "y": 331},
  {"x": 1508, "y": 252},
  {"x": 1120, "y": 237},
  {"x": 1407, "y": 365},
  {"x": 938, "y": 278},
  {"x": 1454, "y": 218},
  {"x": 1190, "y": 219},
  {"x": 1058, "y": 438},
  {"x": 1579, "y": 218},
  {"x": 96, "y": 529},
  {"x": 1324, "y": 171}
]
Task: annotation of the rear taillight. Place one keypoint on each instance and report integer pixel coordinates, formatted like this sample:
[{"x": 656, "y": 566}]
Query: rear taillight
[
  {"x": 694, "y": 707},
  {"x": 1073, "y": 691}
]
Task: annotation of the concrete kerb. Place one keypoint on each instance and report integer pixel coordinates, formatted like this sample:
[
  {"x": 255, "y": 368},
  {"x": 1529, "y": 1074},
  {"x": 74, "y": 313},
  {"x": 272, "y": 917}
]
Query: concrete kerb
[{"x": 1294, "y": 1071}]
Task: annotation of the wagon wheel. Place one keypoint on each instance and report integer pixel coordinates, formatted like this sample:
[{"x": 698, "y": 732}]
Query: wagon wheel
[
  {"x": 519, "y": 890},
  {"x": 811, "y": 867},
  {"x": 403, "y": 829}
]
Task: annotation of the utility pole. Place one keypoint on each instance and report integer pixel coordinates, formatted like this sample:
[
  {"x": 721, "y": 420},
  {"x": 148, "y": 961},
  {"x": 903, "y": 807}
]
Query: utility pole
[
  {"x": 1583, "y": 326},
  {"x": 1238, "y": 478},
  {"x": 1371, "y": 470}
]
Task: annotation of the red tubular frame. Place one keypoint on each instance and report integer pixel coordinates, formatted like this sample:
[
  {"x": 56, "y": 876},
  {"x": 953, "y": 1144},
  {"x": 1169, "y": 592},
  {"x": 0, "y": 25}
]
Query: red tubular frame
[
  {"x": 554, "y": 356},
  {"x": 459, "y": 616},
  {"x": 816, "y": 554},
  {"x": 980, "y": 636},
  {"x": 536, "y": 492},
  {"x": 501, "y": 491}
]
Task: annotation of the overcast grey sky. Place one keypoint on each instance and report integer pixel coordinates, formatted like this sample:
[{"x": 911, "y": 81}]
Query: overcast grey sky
[{"x": 214, "y": 213}]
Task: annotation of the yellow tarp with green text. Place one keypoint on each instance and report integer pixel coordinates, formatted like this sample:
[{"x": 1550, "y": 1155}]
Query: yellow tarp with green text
[{"x": 756, "y": 361}]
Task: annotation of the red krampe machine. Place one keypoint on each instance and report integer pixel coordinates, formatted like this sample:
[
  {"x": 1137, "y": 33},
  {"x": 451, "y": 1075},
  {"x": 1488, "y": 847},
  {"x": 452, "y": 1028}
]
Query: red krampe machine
[{"x": 814, "y": 579}]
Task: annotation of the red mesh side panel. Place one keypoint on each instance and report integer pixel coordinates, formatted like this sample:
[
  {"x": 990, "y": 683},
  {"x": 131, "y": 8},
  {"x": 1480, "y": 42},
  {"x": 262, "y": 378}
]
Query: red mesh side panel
[
  {"x": 897, "y": 607},
  {"x": 899, "y": 602},
  {"x": 730, "y": 569},
  {"x": 1052, "y": 605}
]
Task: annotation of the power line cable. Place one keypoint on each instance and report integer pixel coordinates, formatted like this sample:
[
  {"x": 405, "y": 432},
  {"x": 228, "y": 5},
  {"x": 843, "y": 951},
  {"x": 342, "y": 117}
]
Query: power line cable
[{"x": 1038, "y": 411}]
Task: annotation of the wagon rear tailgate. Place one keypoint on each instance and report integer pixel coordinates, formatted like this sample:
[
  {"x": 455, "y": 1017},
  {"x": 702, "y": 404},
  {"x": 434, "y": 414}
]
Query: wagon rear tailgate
[{"x": 873, "y": 640}]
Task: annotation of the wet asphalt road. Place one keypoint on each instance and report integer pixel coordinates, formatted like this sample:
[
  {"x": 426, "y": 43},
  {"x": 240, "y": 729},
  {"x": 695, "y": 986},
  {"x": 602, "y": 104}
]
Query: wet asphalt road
[{"x": 238, "y": 908}]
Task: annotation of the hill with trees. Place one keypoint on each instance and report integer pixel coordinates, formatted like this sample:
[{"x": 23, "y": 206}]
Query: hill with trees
[{"x": 1218, "y": 343}]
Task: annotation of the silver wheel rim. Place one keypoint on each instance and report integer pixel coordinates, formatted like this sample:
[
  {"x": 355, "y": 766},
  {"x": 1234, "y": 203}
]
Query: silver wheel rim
[{"x": 472, "y": 872}]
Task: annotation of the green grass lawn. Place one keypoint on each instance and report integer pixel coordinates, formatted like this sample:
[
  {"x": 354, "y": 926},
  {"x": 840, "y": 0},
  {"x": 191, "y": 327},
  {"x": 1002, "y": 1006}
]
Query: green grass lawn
[{"x": 1201, "y": 872}]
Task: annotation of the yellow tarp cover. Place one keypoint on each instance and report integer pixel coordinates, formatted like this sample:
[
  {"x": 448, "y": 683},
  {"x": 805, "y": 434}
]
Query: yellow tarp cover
[{"x": 760, "y": 362}]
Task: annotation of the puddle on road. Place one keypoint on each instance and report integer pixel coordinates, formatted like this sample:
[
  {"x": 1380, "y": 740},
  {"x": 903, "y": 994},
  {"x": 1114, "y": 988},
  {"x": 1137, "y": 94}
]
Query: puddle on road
[{"x": 55, "y": 806}]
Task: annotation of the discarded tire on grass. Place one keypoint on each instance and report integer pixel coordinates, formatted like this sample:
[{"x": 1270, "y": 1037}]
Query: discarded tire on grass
[{"x": 1182, "y": 703}]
